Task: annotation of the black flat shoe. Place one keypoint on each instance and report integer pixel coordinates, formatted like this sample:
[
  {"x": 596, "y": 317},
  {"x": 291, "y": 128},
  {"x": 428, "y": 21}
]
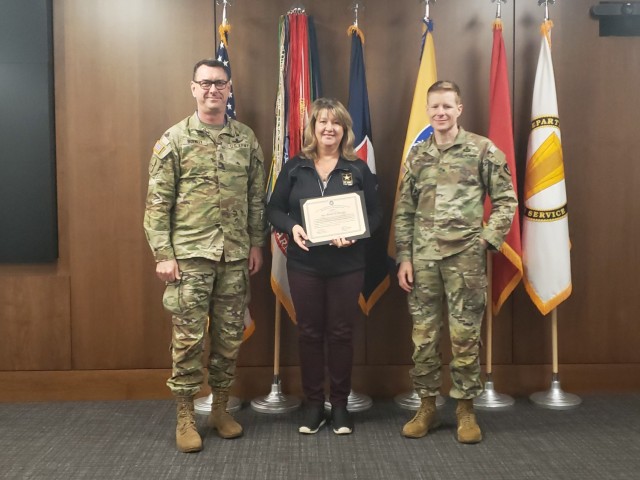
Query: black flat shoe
[
  {"x": 313, "y": 421},
  {"x": 341, "y": 421}
]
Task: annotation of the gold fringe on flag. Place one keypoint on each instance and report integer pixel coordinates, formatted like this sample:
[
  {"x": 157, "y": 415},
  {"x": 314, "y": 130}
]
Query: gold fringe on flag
[
  {"x": 223, "y": 30},
  {"x": 545, "y": 29},
  {"x": 497, "y": 24},
  {"x": 353, "y": 29}
]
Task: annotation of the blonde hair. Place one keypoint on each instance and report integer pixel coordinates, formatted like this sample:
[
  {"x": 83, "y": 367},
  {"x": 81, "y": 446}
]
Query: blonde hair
[
  {"x": 445, "y": 86},
  {"x": 342, "y": 117}
]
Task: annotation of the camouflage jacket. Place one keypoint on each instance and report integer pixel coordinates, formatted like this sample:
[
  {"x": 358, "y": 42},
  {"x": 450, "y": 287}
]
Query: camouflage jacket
[
  {"x": 206, "y": 197},
  {"x": 441, "y": 201}
]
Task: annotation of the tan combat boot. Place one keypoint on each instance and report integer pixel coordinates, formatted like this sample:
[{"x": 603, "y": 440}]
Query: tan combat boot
[
  {"x": 220, "y": 419},
  {"x": 468, "y": 429},
  {"x": 424, "y": 420},
  {"x": 187, "y": 437}
]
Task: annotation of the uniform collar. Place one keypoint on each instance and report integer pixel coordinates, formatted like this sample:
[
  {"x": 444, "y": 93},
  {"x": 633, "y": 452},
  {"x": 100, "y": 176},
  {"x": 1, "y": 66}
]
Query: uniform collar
[
  {"x": 230, "y": 125},
  {"x": 459, "y": 140}
]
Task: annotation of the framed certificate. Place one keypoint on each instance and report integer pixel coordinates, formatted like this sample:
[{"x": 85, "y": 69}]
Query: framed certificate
[{"x": 334, "y": 216}]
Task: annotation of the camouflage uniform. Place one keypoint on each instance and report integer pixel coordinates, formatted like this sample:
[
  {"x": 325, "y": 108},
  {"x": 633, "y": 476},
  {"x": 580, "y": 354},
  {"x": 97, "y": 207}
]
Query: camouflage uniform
[
  {"x": 438, "y": 227},
  {"x": 205, "y": 208}
]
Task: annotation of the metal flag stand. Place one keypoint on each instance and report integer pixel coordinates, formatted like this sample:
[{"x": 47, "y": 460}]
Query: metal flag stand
[
  {"x": 411, "y": 400},
  {"x": 490, "y": 399},
  {"x": 276, "y": 401},
  {"x": 555, "y": 398},
  {"x": 203, "y": 405},
  {"x": 356, "y": 402}
]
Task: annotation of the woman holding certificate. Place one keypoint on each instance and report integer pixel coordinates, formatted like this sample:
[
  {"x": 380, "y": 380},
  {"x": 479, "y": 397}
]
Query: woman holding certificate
[{"x": 327, "y": 189}]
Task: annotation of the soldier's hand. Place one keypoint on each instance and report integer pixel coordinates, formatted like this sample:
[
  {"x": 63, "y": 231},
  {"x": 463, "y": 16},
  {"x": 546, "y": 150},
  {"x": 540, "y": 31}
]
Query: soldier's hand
[
  {"x": 299, "y": 236},
  {"x": 405, "y": 276},
  {"x": 168, "y": 271},
  {"x": 255, "y": 260}
]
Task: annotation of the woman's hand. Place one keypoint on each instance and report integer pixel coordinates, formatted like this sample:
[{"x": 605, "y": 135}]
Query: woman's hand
[
  {"x": 299, "y": 236},
  {"x": 342, "y": 242}
]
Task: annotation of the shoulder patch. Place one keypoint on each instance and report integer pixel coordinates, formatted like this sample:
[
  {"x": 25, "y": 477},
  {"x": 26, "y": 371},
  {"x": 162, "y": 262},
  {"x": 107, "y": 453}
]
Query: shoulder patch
[
  {"x": 492, "y": 149},
  {"x": 162, "y": 147}
]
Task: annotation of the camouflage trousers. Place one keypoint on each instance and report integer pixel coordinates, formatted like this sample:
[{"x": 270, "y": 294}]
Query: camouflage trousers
[
  {"x": 211, "y": 297},
  {"x": 461, "y": 279}
]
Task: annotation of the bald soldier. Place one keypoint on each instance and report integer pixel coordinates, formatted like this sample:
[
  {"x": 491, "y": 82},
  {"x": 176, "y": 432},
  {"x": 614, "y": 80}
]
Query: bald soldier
[
  {"x": 441, "y": 247},
  {"x": 204, "y": 222}
]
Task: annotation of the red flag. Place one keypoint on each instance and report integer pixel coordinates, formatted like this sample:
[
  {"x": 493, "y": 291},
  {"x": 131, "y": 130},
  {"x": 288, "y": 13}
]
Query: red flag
[
  {"x": 507, "y": 264},
  {"x": 299, "y": 81}
]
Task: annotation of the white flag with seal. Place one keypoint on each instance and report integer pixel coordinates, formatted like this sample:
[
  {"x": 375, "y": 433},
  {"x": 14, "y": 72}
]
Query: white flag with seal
[{"x": 545, "y": 235}]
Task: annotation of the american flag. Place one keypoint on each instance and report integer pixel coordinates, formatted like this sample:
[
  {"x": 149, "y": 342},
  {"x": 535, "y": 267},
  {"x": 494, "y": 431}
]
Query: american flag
[{"x": 223, "y": 56}]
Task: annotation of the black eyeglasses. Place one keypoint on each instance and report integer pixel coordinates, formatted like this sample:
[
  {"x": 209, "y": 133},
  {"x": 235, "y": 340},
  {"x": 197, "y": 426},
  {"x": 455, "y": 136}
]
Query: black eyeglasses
[{"x": 207, "y": 84}]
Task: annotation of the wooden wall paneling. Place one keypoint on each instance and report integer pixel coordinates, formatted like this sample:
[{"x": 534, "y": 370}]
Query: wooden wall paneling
[
  {"x": 379, "y": 381},
  {"x": 114, "y": 80},
  {"x": 122, "y": 78},
  {"x": 35, "y": 325},
  {"x": 598, "y": 76},
  {"x": 531, "y": 333}
]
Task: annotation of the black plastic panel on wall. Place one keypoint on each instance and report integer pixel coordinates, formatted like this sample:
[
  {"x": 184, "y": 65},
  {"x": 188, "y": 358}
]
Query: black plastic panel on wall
[{"x": 28, "y": 210}]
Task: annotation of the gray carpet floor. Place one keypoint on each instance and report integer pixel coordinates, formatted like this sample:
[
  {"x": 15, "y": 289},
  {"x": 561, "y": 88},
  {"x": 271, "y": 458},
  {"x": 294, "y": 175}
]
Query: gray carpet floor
[{"x": 135, "y": 440}]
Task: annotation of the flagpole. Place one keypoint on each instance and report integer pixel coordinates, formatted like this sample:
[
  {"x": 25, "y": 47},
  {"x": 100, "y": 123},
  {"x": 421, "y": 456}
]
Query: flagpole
[
  {"x": 546, "y": 4},
  {"x": 427, "y": 16},
  {"x": 554, "y": 398},
  {"x": 356, "y": 6},
  {"x": 224, "y": 11},
  {"x": 276, "y": 401},
  {"x": 490, "y": 399},
  {"x": 356, "y": 402},
  {"x": 411, "y": 400},
  {"x": 203, "y": 405}
]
